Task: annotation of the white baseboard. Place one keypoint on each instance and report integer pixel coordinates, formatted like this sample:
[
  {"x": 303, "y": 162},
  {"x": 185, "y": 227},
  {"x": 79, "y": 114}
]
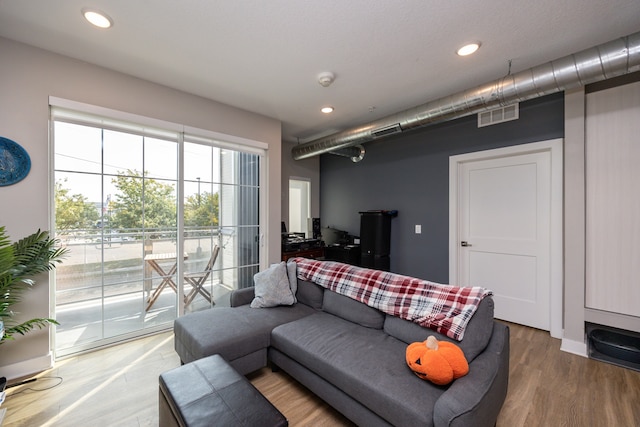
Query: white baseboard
[
  {"x": 575, "y": 347},
  {"x": 27, "y": 367}
]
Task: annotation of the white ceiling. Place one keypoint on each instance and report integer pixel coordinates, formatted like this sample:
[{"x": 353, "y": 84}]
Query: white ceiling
[{"x": 265, "y": 56}]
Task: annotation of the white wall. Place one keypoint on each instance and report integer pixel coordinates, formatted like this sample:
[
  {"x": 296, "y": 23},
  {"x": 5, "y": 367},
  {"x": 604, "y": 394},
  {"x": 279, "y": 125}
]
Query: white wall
[
  {"x": 28, "y": 76},
  {"x": 574, "y": 224}
]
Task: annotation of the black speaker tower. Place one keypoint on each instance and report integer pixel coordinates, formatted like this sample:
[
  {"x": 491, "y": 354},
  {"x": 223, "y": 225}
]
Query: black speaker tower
[
  {"x": 315, "y": 228},
  {"x": 375, "y": 239}
]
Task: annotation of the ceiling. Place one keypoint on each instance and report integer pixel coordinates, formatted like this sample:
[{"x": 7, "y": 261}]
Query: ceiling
[{"x": 265, "y": 56}]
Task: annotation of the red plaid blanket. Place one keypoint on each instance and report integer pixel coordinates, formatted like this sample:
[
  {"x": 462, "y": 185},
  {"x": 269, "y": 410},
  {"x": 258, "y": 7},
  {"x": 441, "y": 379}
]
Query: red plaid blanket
[{"x": 444, "y": 308}]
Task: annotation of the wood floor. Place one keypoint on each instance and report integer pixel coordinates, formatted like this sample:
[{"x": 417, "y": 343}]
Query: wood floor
[{"x": 118, "y": 386}]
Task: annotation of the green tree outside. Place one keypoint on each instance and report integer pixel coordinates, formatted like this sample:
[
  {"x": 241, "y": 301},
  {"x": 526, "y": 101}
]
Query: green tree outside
[
  {"x": 141, "y": 203},
  {"x": 138, "y": 203},
  {"x": 73, "y": 211},
  {"x": 201, "y": 210}
]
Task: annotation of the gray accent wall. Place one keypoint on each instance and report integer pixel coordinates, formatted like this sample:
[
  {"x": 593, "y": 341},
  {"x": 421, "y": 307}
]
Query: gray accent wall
[{"x": 410, "y": 173}]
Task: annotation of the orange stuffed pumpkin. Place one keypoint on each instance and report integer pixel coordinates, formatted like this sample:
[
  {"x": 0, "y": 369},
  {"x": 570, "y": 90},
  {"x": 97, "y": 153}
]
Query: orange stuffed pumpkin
[{"x": 437, "y": 361}]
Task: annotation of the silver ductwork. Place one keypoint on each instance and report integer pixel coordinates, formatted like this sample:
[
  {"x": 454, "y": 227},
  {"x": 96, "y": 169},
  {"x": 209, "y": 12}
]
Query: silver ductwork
[
  {"x": 355, "y": 153},
  {"x": 615, "y": 58}
]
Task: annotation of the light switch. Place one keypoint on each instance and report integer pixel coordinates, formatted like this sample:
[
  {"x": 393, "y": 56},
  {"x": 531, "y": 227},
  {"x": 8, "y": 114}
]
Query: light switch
[{"x": 418, "y": 229}]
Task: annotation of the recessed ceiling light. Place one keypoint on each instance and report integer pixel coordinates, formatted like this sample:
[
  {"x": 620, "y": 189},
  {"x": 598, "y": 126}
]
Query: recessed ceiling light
[
  {"x": 468, "y": 49},
  {"x": 97, "y": 18},
  {"x": 327, "y": 110}
]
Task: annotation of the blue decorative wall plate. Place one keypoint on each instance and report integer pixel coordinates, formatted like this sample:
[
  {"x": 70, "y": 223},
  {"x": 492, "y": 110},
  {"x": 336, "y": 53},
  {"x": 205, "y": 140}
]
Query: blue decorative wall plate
[{"x": 14, "y": 162}]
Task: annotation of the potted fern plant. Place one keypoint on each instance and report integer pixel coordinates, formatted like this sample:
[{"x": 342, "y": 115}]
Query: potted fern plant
[{"x": 19, "y": 262}]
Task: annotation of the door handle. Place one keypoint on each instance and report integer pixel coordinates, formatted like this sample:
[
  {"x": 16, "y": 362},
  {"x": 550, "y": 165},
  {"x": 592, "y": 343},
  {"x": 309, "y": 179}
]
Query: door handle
[{"x": 465, "y": 243}]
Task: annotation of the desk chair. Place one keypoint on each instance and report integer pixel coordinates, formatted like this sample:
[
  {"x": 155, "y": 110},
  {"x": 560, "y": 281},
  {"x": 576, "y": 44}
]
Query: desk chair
[{"x": 198, "y": 280}]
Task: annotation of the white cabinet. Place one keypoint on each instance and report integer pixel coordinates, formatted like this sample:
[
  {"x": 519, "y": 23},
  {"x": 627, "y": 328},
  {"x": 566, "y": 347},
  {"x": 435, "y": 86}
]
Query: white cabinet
[{"x": 612, "y": 143}]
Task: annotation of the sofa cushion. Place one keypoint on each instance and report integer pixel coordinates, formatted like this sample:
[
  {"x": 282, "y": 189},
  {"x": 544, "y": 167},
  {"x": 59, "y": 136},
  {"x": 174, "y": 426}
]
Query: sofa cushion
[
  {"x": 231, "y": 332},
  {"x": 367, "y": 364},
  {"x": 476, "y": 336},
  {"x": 272, "y": 287},
  {"x": 310, "y": 294},
  {"x": 352, "y": 310},
  {"x": 242, "y": 296}
]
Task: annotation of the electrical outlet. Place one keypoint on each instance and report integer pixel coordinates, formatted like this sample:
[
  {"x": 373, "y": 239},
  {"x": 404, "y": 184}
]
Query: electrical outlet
[{"x": 418, "y": 229}]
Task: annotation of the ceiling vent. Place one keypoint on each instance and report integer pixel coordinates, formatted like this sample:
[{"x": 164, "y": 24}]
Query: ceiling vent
[
  {"x": 387, "y": 130},
  {"x": 499, "y": 115}
]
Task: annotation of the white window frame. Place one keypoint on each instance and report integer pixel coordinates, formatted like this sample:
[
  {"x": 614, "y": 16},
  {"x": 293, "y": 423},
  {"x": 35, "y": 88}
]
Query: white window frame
[{"x": 82, "y": 113}]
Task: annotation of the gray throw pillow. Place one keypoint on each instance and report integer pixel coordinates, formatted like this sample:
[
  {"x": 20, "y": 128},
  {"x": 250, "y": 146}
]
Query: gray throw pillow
[{"x": 272, "y": 287}]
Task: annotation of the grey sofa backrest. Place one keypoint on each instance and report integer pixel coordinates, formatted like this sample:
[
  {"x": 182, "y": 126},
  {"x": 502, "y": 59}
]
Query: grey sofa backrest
[
  {"x": 310, "y": 294},
  {"x": 352, "y": 310},
  {"x": 476, "y": 336}
]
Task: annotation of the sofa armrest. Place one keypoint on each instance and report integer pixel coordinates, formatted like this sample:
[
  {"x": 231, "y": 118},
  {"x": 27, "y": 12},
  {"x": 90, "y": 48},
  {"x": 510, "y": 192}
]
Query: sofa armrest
[
  {"x": 476, "y": 398},
  {"x": 242, "y": 296}
]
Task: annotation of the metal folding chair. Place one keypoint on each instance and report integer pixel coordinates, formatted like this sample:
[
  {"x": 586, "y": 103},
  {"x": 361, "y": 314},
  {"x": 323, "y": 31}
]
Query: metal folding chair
[{"x": 198, "y": 280}]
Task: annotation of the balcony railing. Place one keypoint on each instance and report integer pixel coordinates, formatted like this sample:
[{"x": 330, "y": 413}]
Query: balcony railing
[{"x": 103, "y": 284}]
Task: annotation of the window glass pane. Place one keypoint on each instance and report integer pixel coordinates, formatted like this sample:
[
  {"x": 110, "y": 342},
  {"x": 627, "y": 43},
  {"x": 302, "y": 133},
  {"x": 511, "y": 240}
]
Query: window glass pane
[
  {"x": 77, "y": 199},
  {"x": 247, "y": 202},
  {"x": 249, "y": 171},
  {"x": 77, "y": 206},
  {"x": 78, "y": 148},
  {"x": 160, "y": 158},
  {"x": 249, "y": 243},
  {"x": 201, "y": 204},
  {"x": 202, "y": 161},
  {"x": 116, "y": 144},
  {"x": 160, "y": 204},
  {"x": 78, "y": 279},
  {"x": 124, "y": 205},
  {"x": 203, "y": 279},
  {"x": 228, "y": 166}
]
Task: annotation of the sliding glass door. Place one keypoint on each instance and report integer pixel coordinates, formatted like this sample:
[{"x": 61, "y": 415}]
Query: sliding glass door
[
  {"x": 221, "y": 222},
  {"x": 157, "y": 223}
]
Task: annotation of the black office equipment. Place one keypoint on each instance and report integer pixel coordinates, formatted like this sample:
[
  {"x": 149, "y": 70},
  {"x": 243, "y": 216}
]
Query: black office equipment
[
  {"x": 375, "y": 239},
  {"x": 315, "y": 228}
]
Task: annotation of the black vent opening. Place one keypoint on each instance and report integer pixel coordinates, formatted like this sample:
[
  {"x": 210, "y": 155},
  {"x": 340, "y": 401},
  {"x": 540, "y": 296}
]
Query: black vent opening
[{"x": 388, "y": 130}]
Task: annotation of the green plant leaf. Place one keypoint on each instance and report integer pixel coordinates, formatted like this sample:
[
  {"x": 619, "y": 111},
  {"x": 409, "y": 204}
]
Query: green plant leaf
[
  {"x": 19, "y": 262},
  {"x": 27, "y": 326}
]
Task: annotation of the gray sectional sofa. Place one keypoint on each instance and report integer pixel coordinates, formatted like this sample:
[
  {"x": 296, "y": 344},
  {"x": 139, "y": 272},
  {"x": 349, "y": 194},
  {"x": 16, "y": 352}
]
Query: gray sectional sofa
[{"x": 353, "y": 356}]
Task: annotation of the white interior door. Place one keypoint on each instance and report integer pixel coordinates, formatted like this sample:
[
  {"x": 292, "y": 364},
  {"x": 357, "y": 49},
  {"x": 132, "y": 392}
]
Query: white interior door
[{"x": 503, "y": 231}]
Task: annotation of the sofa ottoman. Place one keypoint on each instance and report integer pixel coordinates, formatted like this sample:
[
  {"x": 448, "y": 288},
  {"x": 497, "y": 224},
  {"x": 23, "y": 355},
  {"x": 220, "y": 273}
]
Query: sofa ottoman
[{"x": 209, "y": 392}]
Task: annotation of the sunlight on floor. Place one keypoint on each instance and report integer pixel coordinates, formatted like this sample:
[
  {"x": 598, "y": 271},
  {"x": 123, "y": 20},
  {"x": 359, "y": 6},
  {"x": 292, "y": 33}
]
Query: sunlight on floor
[{"x": 112, "y": 378}]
